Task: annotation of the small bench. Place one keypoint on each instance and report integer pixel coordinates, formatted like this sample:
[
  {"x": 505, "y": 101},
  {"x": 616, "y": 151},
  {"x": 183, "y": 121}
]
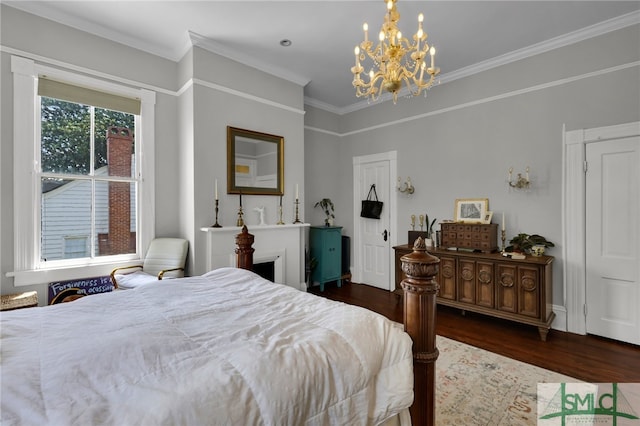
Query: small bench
[{"x": 27, "y": 299}]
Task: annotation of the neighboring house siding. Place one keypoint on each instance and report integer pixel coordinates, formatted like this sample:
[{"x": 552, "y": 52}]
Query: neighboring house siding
[{"x": 68, "y": 214}]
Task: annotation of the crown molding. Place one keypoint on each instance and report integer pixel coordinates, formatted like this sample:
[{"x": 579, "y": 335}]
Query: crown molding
[
  {"x": 45, "y": 11},
  {"x": 500, "y": 96},
  {"x": 219, "y": 49},
  {"x": 586, "y": 33}
]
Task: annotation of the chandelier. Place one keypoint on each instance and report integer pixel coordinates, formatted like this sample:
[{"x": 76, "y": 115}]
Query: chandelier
[{"x": 395, "y": 60}]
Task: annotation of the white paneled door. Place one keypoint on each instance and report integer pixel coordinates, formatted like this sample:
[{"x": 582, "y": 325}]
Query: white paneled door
[
  {"x": 374, "y": 243},
  {"x": 613, "y": 239}
]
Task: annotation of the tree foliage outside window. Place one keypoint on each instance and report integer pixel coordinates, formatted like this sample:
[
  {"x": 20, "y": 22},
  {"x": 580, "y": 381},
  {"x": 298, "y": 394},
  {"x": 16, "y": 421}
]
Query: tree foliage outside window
[{"x": 66, "y": 135}]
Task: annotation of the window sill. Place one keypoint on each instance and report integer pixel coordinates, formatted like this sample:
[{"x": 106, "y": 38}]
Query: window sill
[{"x": 44, "y": 276}]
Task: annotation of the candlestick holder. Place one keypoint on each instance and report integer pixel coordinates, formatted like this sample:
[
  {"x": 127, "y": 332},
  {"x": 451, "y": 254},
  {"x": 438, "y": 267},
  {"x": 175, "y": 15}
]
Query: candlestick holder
[
  {"x": 503, "y": 234},
  {"x": 280, "y": 222},
  {"x": 297, "y": 203},
  {"x": 216, "y": 225},
  {"x": 240, "y": 221}
]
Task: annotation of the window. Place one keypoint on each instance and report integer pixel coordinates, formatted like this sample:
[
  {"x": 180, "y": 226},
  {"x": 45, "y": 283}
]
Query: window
[
  {"x": 87, "y": 173},
  {"x": 81, "y": 204},
  {"x": 75, "y": 247}
]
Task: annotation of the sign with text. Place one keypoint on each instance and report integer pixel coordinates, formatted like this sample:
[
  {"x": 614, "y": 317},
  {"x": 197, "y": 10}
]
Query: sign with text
[
  {"x": 588, "y": 404},
  {"x": 63, "y": 291}
]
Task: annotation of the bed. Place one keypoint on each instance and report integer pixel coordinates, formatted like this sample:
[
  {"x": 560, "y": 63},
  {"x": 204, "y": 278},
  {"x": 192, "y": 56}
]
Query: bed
[{"x": 225, "y": 348}]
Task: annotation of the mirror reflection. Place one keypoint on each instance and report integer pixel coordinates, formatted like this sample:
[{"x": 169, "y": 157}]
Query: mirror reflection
[{"x": 255, "y": 162}]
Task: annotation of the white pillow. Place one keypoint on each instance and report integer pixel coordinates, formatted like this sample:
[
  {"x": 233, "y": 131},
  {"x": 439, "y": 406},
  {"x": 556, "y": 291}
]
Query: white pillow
[{"x": 134, "y": 279}]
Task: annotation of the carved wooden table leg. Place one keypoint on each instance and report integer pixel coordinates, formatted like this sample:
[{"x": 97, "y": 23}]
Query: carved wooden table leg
[{"x": 420, "y": 291}]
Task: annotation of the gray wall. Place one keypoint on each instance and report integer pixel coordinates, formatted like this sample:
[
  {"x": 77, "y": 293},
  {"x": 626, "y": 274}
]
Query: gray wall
[
  {"x": 457, "y": 143},
  {"x": 196, "y": 98},
  {"x": 460, "y": 141},
  {"x": 23, "y": 34},
  {"x": 215, "y": 109}
]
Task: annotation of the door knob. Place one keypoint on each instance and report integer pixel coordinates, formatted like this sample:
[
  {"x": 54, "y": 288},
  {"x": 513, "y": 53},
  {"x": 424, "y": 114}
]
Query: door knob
[{"x": 384, "y": 235}]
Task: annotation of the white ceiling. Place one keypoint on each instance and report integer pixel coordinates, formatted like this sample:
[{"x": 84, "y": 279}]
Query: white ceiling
[{"x": 470, "y": 36}]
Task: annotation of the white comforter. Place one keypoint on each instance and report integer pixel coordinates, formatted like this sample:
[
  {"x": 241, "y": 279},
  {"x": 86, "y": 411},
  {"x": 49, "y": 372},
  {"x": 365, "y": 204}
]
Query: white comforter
[{"x": 226, "y": 348}]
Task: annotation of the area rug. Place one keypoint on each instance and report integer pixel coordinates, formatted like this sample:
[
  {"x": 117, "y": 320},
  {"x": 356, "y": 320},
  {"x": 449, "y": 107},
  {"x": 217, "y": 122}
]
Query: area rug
[{"x": 475, "y": 387}]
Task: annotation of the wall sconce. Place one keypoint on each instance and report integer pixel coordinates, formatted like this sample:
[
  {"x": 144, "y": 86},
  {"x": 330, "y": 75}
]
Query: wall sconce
[
  {"x": 521, "y": 182},
  {"x": 408, "y": 188}
]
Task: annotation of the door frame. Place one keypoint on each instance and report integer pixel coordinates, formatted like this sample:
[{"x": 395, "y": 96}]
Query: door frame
[
  {"x": 392, "y": 157},
  {"x": 574, "y": 215}
]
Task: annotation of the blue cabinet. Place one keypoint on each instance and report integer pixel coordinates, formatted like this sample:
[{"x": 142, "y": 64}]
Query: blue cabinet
[{"x": 326, "y": 249}]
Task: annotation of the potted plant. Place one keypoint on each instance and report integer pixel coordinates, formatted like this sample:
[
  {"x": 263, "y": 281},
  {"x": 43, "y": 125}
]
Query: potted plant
[
  {"x": 525, "y": 243},
  {"x": 327, "y": 207}
]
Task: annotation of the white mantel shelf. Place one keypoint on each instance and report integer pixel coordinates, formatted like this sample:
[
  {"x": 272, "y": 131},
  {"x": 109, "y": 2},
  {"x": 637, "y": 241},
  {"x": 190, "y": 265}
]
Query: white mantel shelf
[
  {"x": 237, "y": 229},
  {"x": 284, "y": 244}
]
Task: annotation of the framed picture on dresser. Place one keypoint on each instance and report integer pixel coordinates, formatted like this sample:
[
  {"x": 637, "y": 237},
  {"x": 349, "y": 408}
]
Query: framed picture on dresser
[
  {"x": 471, "y": 210},
  {"x": 487, "y": 218}
]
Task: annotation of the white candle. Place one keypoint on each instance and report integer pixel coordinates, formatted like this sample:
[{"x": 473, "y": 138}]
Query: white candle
[
  {"x": 216, "y": 189},
  {"x": 296, "y": 191},
  {"x": 503, "y": 225}
]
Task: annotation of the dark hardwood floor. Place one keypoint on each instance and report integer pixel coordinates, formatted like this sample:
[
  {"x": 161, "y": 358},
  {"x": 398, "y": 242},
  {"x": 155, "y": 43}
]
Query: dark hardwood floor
[{"x": 588, "y": 358}]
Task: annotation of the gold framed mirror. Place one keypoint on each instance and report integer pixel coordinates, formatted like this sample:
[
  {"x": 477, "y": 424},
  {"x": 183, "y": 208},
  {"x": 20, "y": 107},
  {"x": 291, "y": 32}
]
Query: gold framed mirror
[{"x": 255, "y": 162}]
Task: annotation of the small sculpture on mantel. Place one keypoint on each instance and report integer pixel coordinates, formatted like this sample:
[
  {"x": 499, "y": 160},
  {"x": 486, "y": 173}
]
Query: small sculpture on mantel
[{"x": 260, "y": 211}]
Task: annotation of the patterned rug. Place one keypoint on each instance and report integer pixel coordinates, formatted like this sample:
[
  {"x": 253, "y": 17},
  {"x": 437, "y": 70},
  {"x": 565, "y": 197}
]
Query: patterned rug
[{"x": 475, "y": 387}]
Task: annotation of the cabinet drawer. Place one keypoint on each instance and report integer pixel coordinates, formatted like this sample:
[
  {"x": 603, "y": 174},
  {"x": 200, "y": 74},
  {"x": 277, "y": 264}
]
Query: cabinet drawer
[
  {"x": 528, "y": 292},
  {"x": 485, "y": 290},
  {"x": 506, "y": 295},
  {"x": 447, "y": 278},
  {"x": 466, "y": 281}
]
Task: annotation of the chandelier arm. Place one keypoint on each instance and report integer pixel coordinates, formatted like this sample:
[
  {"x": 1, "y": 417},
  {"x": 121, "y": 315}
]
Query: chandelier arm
[{"x": 426, "y": 84}]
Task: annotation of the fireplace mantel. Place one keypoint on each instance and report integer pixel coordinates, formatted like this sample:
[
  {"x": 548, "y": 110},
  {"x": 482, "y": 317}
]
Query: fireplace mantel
[{"x": 284, "y": 244}]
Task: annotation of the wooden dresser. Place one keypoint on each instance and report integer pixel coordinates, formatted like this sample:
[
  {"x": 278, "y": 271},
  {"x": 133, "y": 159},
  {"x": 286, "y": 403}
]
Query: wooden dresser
[{"x": 491, "y": 284}]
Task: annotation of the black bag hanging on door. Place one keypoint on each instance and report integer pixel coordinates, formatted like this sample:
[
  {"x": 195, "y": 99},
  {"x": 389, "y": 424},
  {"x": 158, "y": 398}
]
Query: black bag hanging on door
[{"x": 371, "y": 208}]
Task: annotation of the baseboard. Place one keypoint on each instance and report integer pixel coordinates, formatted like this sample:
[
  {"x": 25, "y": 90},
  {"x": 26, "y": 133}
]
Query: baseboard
[{"x": 560, "y": 321}]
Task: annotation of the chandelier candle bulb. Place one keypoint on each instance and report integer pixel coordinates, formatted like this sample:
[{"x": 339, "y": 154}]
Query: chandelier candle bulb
[{"x": 365, "y": 27}]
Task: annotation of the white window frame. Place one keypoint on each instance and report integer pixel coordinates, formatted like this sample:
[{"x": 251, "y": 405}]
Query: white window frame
[{"x": 28, "y": 268}]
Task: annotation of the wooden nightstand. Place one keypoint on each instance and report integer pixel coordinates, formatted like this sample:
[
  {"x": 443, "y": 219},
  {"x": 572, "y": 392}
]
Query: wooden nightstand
[{"x": 10, "y": 302}]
